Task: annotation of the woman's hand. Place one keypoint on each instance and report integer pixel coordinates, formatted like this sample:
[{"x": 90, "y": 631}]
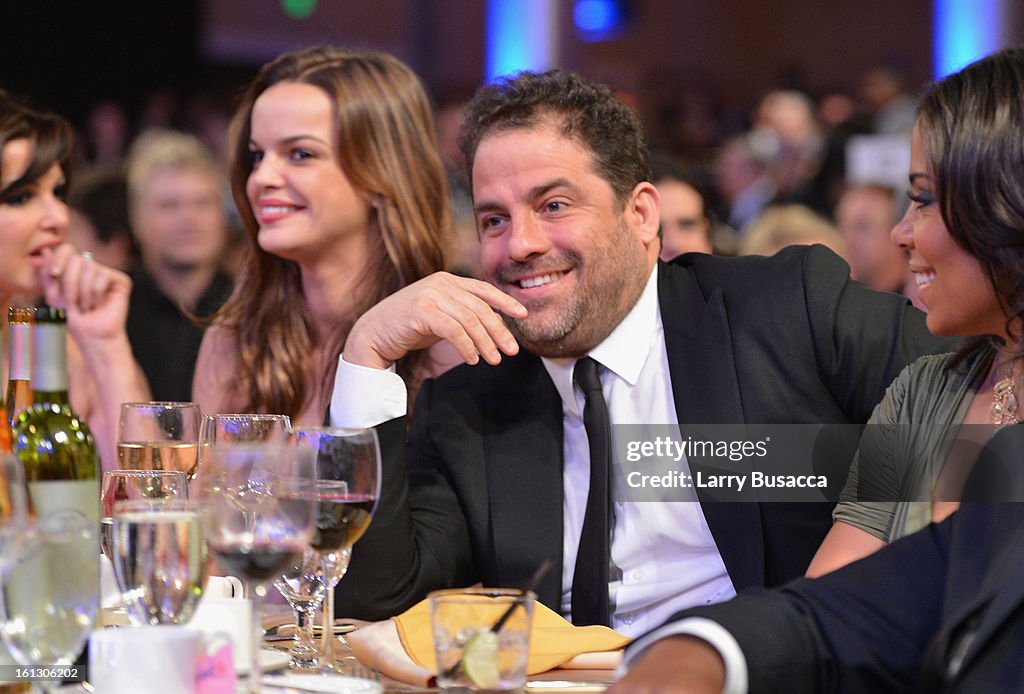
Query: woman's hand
[{"x": 94, "y": 296}]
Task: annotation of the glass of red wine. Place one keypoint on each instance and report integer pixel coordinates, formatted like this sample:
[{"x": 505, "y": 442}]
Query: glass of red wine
[
  {"x": 259, "y": 505},
  {"x": 348, "y": 483}
]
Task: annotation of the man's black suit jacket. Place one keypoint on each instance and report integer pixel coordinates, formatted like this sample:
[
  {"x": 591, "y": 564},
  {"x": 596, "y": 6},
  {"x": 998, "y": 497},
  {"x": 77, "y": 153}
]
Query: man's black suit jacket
[
  {"x": 788, "y": 339},
  {"x": 941, "y": 610}
]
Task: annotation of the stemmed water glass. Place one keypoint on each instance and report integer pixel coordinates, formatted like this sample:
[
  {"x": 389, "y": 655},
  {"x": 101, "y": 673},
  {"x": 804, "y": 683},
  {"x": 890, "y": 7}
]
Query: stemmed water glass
[
  {"x": 232, "y": 428},
  {"x": 128, "y": 485},
  {"x": 159, "y": 436},
  {"x": 160, "y": 559},
  {"x": 348, "y": 483},
  {"x": 302, "y": 585},
  {"x": 259, "y": 506}
]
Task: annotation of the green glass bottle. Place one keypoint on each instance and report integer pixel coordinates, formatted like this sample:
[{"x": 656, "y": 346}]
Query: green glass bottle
[
  {"x": 54, "y": 443},
  {"x": 54, "y": 588},
  {"x": 57, "y": 451}
]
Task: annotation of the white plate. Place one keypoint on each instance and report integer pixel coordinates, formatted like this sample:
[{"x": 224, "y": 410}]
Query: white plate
[
  {"x": 333, "y": 684},
  {"x": 270, "y": 659}
]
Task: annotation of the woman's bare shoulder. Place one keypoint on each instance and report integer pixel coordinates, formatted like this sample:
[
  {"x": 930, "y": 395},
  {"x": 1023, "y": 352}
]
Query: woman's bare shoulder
[{"x": 215, "y": 373}]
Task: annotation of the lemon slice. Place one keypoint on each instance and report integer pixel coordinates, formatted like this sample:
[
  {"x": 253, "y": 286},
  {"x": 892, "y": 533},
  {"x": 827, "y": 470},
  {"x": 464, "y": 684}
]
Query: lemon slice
[{"x": 480, "y": 659}]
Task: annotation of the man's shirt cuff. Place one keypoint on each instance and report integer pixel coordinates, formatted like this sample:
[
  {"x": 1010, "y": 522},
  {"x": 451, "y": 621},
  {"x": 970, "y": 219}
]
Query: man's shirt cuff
[
  {"x": 714, "y": 634},
  {"x": 365, "y": 397}
]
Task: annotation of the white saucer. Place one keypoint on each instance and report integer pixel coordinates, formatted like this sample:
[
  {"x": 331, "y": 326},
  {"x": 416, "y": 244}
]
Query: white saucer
[
  {"x": 333, "y": 684},
  {"x": 270, "y": 659}
]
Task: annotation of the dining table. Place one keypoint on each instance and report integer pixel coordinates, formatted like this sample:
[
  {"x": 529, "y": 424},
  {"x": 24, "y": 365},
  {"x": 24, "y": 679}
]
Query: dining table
[{"x": 279, "y": 628}]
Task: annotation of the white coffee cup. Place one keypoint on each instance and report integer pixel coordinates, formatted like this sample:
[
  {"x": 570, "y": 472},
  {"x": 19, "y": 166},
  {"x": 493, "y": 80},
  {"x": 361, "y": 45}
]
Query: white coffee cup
[
  {"x": 230, "y": 616},
  {"x": 153, "y": 659},
  {"x": 223, "y": 587}
]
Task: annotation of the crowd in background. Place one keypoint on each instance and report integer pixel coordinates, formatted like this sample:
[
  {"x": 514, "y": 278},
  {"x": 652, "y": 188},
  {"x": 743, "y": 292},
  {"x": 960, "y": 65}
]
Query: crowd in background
[
  {"x": 719, "y": 169},
  {"x": 341, "y": 206},
  {"x": 150, "y": 194}
]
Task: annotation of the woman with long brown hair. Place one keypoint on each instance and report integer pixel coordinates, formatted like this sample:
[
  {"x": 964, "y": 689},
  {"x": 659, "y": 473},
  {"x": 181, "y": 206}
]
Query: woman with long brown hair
[{"x": 337, "y": 178}]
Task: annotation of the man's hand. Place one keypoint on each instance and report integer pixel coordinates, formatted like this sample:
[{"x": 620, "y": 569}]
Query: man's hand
[
  {"x": 674, "y": 665},
  {"x": 439, "y": 307}
]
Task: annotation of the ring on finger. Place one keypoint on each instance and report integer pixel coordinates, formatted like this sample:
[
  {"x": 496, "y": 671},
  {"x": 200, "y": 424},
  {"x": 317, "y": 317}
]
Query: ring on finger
[{"x": 85, "y": 254}]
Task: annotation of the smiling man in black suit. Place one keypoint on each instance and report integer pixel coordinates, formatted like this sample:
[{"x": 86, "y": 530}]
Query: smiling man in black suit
[{"x": 498, "y": 471}]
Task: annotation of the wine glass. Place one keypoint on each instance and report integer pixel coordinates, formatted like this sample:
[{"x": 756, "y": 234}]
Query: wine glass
[
  {"x": 125, "y": 485},
  {"x": 159, "y": 436},
  {"x": 159, "y": 556},
  {"x": 259, "y": 505},
  {"x": 242, "y": 428},
  {"x": 302, "y": 586},
  {"x": 348, "y": 484},
  {"x": 14, "y": 518}
]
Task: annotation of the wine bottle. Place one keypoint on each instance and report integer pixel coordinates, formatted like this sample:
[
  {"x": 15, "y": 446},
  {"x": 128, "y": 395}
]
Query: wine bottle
[
  {"x": 61, "y": 465},
  {"x": 19, "y": 366}
]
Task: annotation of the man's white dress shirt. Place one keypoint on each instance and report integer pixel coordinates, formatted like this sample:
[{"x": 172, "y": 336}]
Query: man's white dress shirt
[{"x": 665, "y": 553}]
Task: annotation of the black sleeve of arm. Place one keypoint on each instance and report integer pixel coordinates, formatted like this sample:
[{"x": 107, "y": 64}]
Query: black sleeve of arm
[
  {"x": 417, "y": 541},
  {"x": 863, "y": 337},
  {"x": 864, "y": 628}
]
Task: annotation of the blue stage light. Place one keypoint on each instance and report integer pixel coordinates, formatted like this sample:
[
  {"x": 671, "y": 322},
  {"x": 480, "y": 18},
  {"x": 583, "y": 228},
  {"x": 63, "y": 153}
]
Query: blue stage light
[
  {"x": 521, "y": 35},
  {"x": 600, "y": 20},
  {"x": 965, "y": 30}
]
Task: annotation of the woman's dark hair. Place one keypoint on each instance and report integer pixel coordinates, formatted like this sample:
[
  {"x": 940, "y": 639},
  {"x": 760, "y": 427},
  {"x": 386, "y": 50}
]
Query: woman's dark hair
[
  {"x": 971, "y": 126},
  {"x": 50, "y": 134}
]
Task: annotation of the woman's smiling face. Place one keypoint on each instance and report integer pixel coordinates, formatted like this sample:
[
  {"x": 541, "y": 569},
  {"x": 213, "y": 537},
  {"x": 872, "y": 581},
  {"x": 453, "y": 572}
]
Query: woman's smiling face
[{"x": 959, "y": 296}]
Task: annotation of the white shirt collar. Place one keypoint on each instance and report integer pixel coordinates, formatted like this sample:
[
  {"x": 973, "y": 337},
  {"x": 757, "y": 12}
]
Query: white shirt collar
[{"x": 621, "y": 352}]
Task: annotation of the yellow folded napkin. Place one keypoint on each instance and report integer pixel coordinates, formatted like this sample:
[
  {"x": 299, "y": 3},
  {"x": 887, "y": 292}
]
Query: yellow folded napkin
[
  {"x": 553, "y": 640},
  {"x": 403, "y": 647}
]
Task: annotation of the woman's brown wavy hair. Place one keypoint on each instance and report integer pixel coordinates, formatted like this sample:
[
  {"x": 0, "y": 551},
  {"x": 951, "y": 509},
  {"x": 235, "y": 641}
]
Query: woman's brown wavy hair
[{"x": 387, "y": 149}]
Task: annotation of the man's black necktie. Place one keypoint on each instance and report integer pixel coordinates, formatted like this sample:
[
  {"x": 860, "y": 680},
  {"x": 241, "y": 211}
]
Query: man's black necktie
[{"x": 590, "y": 578}]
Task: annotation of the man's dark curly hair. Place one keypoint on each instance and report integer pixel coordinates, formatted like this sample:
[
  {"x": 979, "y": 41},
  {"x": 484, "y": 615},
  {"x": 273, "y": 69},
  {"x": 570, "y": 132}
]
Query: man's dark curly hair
[{"x": 586, "y": 111}]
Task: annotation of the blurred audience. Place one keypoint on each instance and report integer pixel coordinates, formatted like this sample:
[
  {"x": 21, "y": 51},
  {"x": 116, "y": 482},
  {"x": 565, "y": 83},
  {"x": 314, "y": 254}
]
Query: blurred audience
[
  {"x": 790, "y": 225},
  {"x": 98, "y": 202},
  {"x": 685, "y": 224},
  {"x": 788, "y": 136},
  {"x": 865, "y": 216},
  {"x": 884, "y": 93},
  {"x": 179, "y": 224},
  {"x": 107, "y": 133},
  {"x": 743, "y": 182},
  {"x": 466, "y": 254}
]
